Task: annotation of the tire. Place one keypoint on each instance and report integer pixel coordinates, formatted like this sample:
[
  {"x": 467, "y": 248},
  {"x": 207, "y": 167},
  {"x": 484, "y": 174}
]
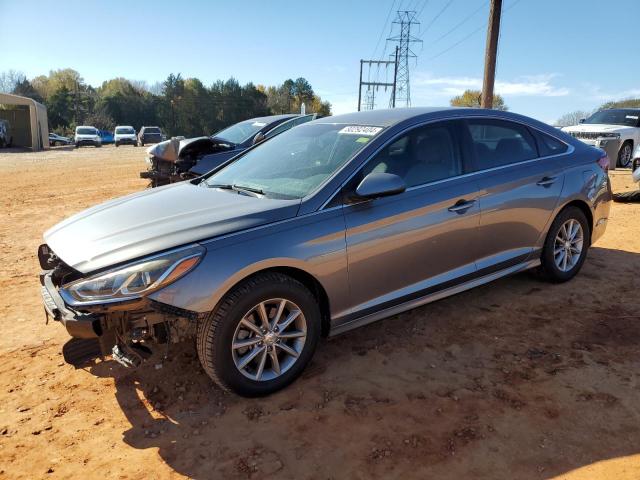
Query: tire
[
  {"x": 142, "y": 144},
  {"x": 551, "y": 263},
  {"x": 217, "y": 333},
  {"x": 625, "y": 155},
  {"x": 77, "y": 146},
  {"x": 117, "y": 145}
]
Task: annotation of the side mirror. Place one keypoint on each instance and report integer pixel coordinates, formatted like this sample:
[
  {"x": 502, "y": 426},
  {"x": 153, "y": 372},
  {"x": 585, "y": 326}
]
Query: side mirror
[
  {"x": 376, "y": 185},
  {"x": 258, "y": 138},
  {"x": 582, "y": 120}
]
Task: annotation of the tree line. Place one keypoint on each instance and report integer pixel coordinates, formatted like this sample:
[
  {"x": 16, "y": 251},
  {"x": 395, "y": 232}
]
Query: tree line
[{"x": 180, "y": 106}]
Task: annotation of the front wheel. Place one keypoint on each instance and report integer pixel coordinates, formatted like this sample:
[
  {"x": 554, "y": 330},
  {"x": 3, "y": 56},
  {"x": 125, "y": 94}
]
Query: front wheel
[
  {"x": 565, "y": 248},
  {"x": 261, "y": 336},
  {"x": 625, "y": 155}
]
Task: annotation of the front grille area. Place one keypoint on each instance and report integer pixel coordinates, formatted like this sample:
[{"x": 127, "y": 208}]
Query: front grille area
[{"x": 586, "y": 135}]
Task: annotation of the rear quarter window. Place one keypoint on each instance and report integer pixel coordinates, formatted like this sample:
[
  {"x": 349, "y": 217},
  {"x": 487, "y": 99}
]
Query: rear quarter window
[{"x": 549, "y": 145}]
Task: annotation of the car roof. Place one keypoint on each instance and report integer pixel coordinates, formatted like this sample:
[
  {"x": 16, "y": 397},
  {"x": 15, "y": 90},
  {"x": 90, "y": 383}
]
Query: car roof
[
  {"x": 384, "y": 117},
  {"x": 273, "y": 118},
  {"x": 85, "y": 126},
  {"x": 124, "y": 126}
]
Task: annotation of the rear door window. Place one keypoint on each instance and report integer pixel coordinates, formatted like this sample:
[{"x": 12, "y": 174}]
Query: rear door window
[{"x": 499, "y": 142}]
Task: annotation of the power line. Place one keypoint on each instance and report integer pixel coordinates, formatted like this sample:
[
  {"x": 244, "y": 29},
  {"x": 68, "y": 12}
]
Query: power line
[
  {"x": 384, "y": 28},
  {"x": 466, "y": 19},
  {"x": 462, "y": 40},
  {"x": 424, "y": 5},
  {"x": 433, "y": 20}
]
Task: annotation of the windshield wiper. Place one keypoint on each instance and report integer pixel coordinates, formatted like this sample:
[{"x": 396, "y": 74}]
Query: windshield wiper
[
  {"x": 243, "y": 188},
  {"x": 238, "y": 188}
]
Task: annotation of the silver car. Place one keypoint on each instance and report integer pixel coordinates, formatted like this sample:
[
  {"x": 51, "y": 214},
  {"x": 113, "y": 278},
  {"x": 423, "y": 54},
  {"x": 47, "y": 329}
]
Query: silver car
[{"x": 329, "y": 226}]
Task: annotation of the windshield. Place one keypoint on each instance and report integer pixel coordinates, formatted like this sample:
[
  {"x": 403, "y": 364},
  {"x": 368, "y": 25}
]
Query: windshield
[
  {"x": 628, "y": 118},
  {"x": 125, "y": 130},
  {"x": 240, "y": 132},
  {"x": 296, "y": 162},
  {"x": 86, "y": 131}
]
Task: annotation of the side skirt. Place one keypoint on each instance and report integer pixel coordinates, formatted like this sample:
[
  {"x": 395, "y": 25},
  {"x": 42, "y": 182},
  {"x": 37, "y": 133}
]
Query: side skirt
[{"x": 431, "y": 297}]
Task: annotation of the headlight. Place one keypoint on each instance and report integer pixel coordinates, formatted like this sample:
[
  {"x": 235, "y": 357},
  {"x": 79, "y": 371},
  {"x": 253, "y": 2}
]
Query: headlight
[
  {"x": 610, "y": 135},
  {"x": 136, "y": 279}
]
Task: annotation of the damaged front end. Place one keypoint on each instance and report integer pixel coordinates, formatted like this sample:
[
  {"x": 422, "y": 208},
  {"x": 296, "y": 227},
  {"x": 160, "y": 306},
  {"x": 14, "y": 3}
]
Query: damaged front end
[
  {"x": 171, "y": 160},
  {"x": 112, "y": 307}
]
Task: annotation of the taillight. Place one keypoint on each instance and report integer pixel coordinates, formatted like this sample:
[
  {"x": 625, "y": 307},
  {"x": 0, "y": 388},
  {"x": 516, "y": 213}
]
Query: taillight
[{"x": 603, "y": 161}]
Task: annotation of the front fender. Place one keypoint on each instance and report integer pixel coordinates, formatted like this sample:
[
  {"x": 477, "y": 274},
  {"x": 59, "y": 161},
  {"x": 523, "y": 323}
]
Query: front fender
[{"x": 314, "y": 244}]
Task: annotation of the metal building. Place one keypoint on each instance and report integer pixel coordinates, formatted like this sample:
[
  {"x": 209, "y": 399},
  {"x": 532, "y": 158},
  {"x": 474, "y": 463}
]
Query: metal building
[{"x": 27, "y": 119}]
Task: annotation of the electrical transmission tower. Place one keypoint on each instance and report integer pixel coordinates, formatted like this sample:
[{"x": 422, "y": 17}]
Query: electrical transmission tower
[
  {"x": 405, "y": 20},
  {"x": 373, "y": 86}
]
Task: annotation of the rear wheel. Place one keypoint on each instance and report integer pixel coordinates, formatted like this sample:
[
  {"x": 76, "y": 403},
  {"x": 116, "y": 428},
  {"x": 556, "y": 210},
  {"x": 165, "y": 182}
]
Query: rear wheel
[
  {"x": 625, "y": 155},
  {"x": 261, "y": 336},
  {"x": 565, "y": 248}
]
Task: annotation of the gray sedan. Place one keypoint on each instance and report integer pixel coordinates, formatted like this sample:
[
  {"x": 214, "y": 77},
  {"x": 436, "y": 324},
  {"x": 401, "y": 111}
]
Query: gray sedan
[{"x": 329, "y": 226}]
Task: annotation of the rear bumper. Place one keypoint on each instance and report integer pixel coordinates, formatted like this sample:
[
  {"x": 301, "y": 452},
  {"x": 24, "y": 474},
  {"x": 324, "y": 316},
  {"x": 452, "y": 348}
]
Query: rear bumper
[
  {"x": 610, "y": 145},
  {"x": 79, "y": 325}
]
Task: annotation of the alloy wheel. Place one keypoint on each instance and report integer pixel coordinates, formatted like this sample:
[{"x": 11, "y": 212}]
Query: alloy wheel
[
  {"x": 269, "y": 339},
  {"x": 625, "y": 155},
  {"x": 568, "y": 244}
]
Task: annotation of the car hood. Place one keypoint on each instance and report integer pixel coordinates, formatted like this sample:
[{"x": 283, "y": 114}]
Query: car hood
[
  {"x": 157, "y": 219},
  {"x": 81, "y": 135},
  {"x": 597, "y": 127},
  {"x": 214, "y": 160}
]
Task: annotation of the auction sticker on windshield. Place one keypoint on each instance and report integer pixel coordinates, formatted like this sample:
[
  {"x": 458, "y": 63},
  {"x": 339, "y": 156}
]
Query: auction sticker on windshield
[{"x": 360, "y": 130}]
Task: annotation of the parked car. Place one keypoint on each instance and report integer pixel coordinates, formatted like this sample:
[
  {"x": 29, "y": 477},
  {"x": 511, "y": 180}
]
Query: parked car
[
  {"x": 125, "y": 135},
  {"x": 149, "y": 135},
  {"x": 6, "y": 139},
  {"x": 87, "y": 135},
  {"x": 179, "y": 158},
  {"x": 617, "y": 131},
  {"x": 329, "y": 226},
  {"x": 105, "y": 136},
  {"x": 58, "y": 140},
  {"x": 632, "y": 196}
]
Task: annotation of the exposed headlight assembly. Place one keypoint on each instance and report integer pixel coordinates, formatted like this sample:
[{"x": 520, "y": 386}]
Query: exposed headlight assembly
[{"x": 134, "y": 280}]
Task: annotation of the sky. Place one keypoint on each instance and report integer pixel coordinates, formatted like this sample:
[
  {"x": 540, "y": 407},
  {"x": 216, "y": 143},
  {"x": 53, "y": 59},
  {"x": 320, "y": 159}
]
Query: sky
[{"x": 555, "y": 56}]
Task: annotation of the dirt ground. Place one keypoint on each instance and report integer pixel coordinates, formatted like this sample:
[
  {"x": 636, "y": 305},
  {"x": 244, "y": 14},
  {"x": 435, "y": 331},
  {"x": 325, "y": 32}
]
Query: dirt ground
[{"x": 516, "y": 379}]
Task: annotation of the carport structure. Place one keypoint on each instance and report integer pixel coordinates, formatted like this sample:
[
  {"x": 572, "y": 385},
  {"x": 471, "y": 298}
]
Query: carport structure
[{"x": 27, "y": 121}]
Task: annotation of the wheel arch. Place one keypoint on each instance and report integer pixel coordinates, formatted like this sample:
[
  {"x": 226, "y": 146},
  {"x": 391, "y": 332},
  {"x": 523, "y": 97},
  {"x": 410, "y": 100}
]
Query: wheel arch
[
  {"x": 304, "y": 277},
  {"x": 584, "y": 207}
]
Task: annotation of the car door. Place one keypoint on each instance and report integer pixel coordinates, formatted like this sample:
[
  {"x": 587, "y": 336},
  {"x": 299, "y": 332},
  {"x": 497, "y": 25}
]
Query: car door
[
  {"x": 407, "y": 245},
  {"x": 519, "y": 189}
]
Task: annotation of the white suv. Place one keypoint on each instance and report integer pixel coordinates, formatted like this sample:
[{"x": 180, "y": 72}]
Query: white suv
[
  {"x": 125, "y": 134},
  {"x": 87, "y": 135},
  {"x": 616, "y": 131}
]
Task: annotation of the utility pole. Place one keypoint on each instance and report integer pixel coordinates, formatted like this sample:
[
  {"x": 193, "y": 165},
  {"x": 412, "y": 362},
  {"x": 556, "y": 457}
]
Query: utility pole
[
  {"x": 493, "y": 33},
  {"x": 395, "y": 80},
  {"x": 405, "y": 19},
  {"x": 372, "y": 86}
]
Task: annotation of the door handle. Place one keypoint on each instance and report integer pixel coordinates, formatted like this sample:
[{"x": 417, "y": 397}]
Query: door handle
[
  {"x": 461, "y": 206},
  {"x": 546, "y": 181}
]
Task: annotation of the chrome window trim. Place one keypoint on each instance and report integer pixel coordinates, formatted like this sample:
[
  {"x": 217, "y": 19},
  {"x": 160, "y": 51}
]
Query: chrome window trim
[{"x": 570, "y": 149}]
